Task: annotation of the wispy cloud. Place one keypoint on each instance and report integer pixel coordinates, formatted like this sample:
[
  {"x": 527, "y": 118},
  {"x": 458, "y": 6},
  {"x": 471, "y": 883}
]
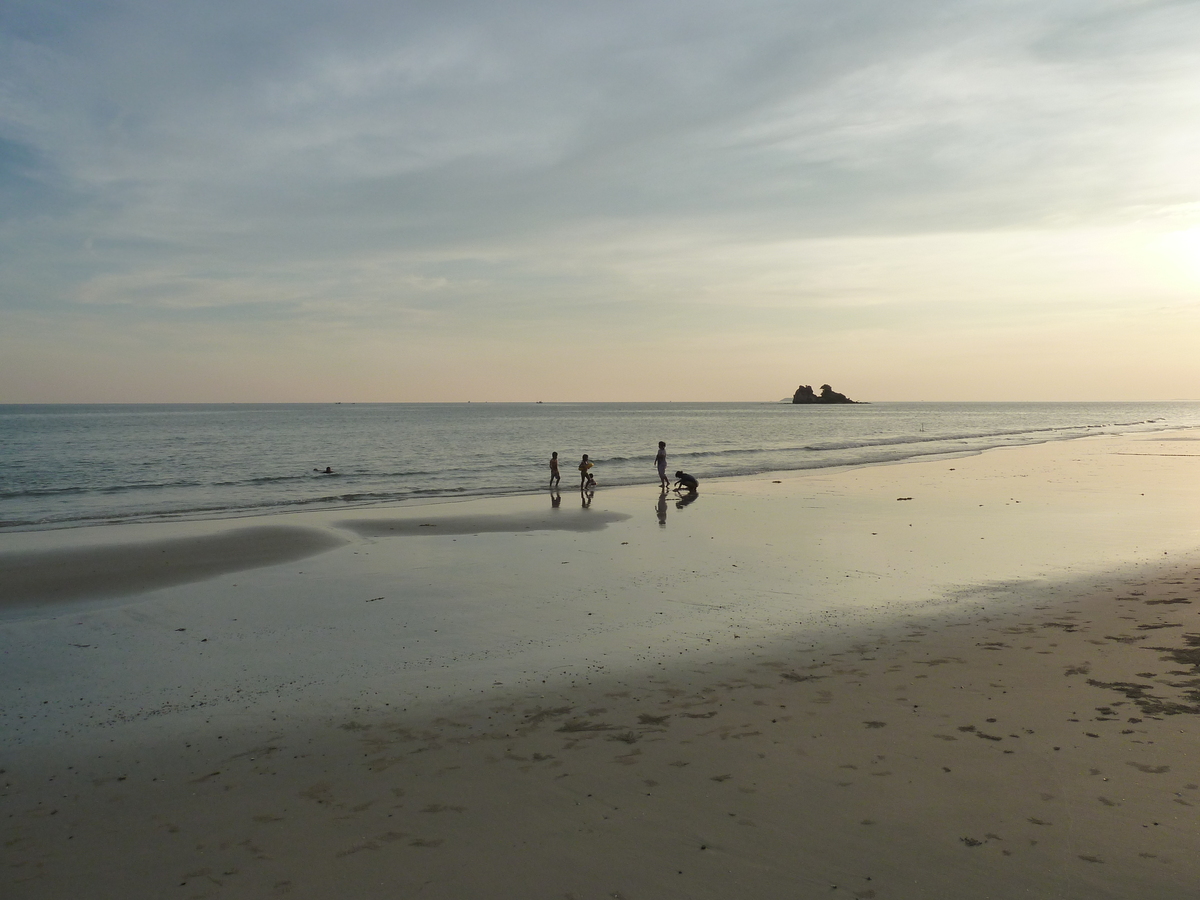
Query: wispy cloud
[{"x": 466, "y": 168}]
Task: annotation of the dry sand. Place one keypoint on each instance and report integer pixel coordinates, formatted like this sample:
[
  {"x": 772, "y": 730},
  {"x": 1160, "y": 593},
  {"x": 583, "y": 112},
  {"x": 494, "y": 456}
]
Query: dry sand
[{"x": 799, "y": 689}]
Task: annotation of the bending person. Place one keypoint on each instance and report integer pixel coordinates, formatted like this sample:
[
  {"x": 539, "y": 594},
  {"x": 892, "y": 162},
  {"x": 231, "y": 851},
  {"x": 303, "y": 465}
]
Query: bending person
[{"x": 686, "y": 482}]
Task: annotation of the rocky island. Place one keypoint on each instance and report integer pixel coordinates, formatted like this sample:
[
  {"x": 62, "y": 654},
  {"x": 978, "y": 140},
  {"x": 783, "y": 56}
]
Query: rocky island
[{"x": 805, "y": 394}]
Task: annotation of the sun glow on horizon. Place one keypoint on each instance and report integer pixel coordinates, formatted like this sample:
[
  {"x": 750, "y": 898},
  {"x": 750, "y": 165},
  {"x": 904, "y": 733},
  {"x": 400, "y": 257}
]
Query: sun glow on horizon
[{"x": 1182, "y": 250}]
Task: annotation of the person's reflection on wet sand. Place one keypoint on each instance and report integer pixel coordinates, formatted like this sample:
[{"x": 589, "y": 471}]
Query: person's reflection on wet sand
[
  {"x": 661, "y": 508},
  {"x": 685, "y": 499},
  {"x": 555, "y": 499},
  {"x": 586, "y": 496}
]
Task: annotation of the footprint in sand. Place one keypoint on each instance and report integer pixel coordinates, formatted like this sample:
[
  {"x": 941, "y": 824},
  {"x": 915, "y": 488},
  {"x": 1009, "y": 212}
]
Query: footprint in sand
[
  {"x": 426, "y": 842},
  {"x": 535, "y": 717},
  {"x": 367, "y": 845},
  {"x": 796, "y": 677},
  {"x": 628, "y": 759},
  {"x": 1150, "y": 770},
  {"x": 629, "y": 737},
  {"x": 645, "y": 719},
  {"x": 321, "y": 792},
  {"x": 577, "y": 725},
  {"x": 384, "y": 763}
]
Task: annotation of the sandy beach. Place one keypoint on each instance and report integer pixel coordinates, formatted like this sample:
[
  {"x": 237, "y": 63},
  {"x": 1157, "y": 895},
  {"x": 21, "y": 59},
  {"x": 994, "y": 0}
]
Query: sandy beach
[{"x": 957, "y": 677}]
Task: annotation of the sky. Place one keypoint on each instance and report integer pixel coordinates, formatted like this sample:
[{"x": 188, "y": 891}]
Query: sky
[{"x": 381, "y": 200}]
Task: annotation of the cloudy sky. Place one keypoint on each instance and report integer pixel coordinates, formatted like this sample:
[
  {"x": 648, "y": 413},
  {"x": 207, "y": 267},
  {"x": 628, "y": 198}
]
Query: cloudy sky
[{"x": 390, "y": 200}]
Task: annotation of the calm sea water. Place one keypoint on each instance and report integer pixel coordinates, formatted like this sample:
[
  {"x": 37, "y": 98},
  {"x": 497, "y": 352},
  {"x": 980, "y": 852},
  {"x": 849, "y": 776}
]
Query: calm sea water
[{"x": 75, "y": 465}]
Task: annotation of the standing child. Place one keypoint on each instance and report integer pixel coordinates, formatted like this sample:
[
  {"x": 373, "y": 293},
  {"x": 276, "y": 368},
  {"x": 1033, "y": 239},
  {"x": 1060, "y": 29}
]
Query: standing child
[
  {"x": 661, "y": 462},
  {"x": 554, "y": 469},
  {"x": 584, "y": 465}
]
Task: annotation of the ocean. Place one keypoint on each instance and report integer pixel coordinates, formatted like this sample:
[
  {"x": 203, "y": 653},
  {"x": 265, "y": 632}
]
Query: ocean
[{"x": 67, "y": 465}]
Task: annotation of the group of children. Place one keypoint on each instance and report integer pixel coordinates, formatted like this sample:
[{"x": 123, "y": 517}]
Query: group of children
[{"x": 587, "y": 480}]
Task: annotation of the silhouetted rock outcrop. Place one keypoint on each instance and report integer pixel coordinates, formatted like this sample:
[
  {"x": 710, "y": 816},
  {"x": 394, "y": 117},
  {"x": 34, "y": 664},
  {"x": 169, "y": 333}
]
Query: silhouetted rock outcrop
[{"x": 805, "y": 394}]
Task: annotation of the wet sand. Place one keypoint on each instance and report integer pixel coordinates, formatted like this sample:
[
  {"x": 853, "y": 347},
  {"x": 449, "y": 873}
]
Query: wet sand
[
  {"x": 41, "y": 577},
  {"x": 981, "y": 691}
]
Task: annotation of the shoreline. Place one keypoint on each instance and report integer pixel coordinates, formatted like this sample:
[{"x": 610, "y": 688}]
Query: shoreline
[
  {"x": 761, "y": 697},
  {"x": 320, "y": 507},
  {"x": 753, "y": 555}
]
